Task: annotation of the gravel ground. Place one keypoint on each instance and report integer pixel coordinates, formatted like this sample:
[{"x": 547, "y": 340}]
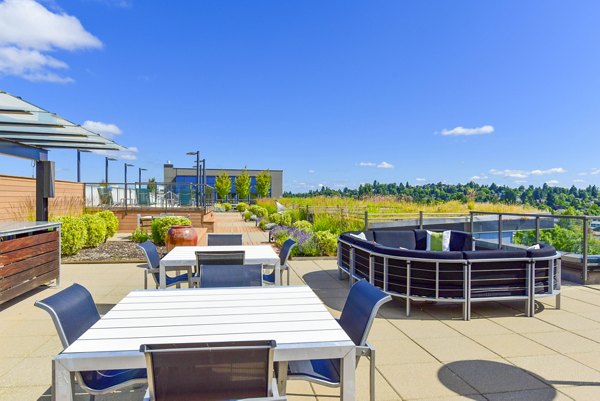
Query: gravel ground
[{"x": 110, "y": 251}]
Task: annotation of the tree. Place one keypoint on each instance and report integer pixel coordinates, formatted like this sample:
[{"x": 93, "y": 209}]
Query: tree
[
  {"x": 223, "y": 185},
  {"x": 263, "y": 183},
  {"x": 152, "y": 185},
  {"x": 242, "y": 185}
]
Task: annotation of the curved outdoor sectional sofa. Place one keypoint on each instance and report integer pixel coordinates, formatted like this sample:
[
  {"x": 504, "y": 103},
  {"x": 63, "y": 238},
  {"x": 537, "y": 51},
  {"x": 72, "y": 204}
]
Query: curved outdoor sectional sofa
[{"x": 398, "y": 263}]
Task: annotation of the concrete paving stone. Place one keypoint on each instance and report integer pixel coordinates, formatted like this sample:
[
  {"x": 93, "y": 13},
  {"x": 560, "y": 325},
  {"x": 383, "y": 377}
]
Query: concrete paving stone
[
  {"x": 400, "y": 352},
  {"x": 334, "y": 303},
  {"x": 577, "y": 306},
  {"x": 494, "y": 376},
  {"x": 590, "y": 359},
  {"x": 564, "y": 342},
  {"x": 20, "y": 347},
  {"x": 568, "y": 321},
  {"x": 49, "y": 349},
  {"x": 20, "y": 328},
  {"x": 509, "y": 345},
  {"x": 383, "y": 330},
  {"x": 425, "y": 381},
  {"x": 26, "y": 393},
  {"x": 582, "y": 393},
  {"x": 473, "y": 397},
  {"x": 29, "y": 372},
  {"x": 545, "y": 394},
  {"x": 593, "y": 335},
  {"x": 558, "y": 370},
  {"x": 477, "y": 327},
  {"x": 428, "y": 328},
  {"x": 383, "y": 390},
  {"x": 523, "y": 324},
  {"x": 455, "y": 349},
  {"x": 7, "y": 363}
]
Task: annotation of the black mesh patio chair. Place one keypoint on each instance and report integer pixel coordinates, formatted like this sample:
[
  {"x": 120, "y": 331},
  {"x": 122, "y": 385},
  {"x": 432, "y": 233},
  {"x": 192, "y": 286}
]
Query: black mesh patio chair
[
  {"x": 211, "y": 371},
  {"x": 360, "y": 309},
  {"x": 224, "y": 239},
  {"x": 215, "y": 276},
  {"x": 217, "y": 258},
  {"x": 73, "y": 311},
  {"x": 153, "y": 267}
]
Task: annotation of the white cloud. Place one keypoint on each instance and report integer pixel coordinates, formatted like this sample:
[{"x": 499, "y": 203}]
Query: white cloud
[
  {"x": 578, "y": 181},
  {"x": 311, "y": 171},
  {"x": 555, "y": 170},
  {"x": 526, "y": 173},
  {"x": 595, "y": 171},
  {"x": 28, "y": 31},
  {"x": 385, "y": 165},
  {"x": 420, "y": 179},
  {"x": 462, "y": 131},
  {"x": 479, "y": 177},
  {"x": 520, "y": 181},
  {"x": 552, "y": 182},
  {"x": 105, "y": 129}
]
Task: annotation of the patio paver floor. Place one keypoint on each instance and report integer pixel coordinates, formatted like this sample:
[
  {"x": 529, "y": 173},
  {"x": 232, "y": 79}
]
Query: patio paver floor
[{"x": 431, "y": 355}]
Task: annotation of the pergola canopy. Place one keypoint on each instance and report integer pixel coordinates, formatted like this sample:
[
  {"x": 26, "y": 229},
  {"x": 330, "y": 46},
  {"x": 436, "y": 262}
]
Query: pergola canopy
[{"x": 26, "y": 124}]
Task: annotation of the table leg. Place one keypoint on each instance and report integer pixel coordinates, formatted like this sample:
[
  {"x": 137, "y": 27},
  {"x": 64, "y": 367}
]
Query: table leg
[
  {"x": 347, "y": 390},
  {"x": 277, "y": 274},
  {"x": 63, "y": 383},
  {"x": 162, "y": 277},
  {"x": 282, "y": 371}
]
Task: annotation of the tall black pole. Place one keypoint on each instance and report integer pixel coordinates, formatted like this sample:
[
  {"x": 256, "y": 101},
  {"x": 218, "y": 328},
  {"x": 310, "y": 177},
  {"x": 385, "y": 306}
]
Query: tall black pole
[
  {"x": 106, "y": 171},
  {"x": 197, "y": 177},
  {"x": 204, "y": 183},
  {"x": 78, "y": 165},
  {"x": 125, "y": 186}
]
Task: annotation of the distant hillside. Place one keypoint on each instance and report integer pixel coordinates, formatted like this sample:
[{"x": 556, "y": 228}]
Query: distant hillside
[{"x": 549, "y": 198}]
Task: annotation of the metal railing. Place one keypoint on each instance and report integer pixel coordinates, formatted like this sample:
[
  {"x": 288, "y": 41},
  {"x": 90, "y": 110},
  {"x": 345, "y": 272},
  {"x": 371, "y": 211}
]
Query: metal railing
[
  {"x": 534, "y": 221},
  {"x": 148, "y": 195}
]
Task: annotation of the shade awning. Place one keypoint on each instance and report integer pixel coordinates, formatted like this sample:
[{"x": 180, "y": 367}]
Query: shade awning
[{"x": 27, "y": 124}]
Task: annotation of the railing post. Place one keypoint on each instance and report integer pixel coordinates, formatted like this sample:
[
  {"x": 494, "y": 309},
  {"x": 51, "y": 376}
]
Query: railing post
[
  {"x": 537, "y": 229},
  {"x": 366, "y": 220},
  {"x": 420, "y": 219},
  {"x": 585, "y": 249},
  {"x": 500, "y": 231},
  {"x": 471, "y": 221}
]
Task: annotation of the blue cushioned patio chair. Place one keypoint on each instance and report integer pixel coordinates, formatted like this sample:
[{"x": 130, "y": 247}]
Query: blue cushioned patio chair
[
  {"x": 74, "y": 312},
  {"x": 219, "y": 371},
  {"x": 284, "y": 255},
  {"x": 360, "y": 309},
  {"x": 217, "y": 258},
  {"x": 153, "y": 267},
  {"x": 224, "y": 239},
  {"x": 215, "y": 276}
]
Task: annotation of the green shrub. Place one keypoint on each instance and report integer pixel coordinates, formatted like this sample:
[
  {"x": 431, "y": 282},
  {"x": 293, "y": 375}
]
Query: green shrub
[
  {"x": 111, "y": 221},
  {"x": 227, "y": 206},
  {"x": 286, "y": 219},
  {"x": 262, "y": 224},
  {"x": 218, "y": 207},
  {"x": 96, "y": 230},
  {"x": 275, "y": 218},
  {"x": 241, "y": 207},
  {"x": 294, "y": 214},
  {"x": 247, "y": 215},
  {"x": 161, "y": 225},
  {"x": 73, "y": 235},
  {"x": 303, "y": 225},
  {"x": 140, "y": 235},
  {"x": 326, "y": 242},
  {"x": 259, "y": 211}
]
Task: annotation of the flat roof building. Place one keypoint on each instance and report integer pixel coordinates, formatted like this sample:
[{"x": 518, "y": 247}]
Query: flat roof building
[{"x": 187, "y": 175}]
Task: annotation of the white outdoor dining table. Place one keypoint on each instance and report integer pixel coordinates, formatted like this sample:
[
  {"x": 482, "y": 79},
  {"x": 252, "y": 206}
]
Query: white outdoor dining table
[
  {"x": 182, "y": 256},
  {"x": 292, "y": 316}
]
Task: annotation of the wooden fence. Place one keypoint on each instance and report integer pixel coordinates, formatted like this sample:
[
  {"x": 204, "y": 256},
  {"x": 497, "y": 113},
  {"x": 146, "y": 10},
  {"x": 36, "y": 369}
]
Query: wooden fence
[{"x": 17, "y": 198}]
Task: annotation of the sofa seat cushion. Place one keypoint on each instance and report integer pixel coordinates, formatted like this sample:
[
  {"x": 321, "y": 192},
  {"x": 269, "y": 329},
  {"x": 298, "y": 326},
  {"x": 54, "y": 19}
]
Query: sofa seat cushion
[
  {"x": 495, "y": 254},
  {"x": 416, "y": 254},
  {"x": 544, "y": 251},
  {"x": 460, "y": 241},
  {"x": 395, "y": 239}
]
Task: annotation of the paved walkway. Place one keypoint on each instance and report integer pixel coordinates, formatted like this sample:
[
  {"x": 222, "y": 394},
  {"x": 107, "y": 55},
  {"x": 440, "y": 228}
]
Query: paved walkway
[
  {"x": 232, "y": 222},
  {"x": 433, "y": 355}
]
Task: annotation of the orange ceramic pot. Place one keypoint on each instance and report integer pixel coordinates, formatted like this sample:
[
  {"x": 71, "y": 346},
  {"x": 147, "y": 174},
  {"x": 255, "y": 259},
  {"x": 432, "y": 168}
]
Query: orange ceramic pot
[{"x": 181, "y": 235}]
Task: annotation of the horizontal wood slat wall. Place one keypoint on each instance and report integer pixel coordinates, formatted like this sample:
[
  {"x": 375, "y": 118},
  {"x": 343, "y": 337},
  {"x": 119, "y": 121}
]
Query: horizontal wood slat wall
[
  {"x": 28, "y": 262},
  {"x": 17, "y": 198}
]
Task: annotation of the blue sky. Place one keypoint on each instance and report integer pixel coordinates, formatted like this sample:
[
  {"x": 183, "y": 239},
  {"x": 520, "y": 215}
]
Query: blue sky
[{"x": 334, "y": 93}]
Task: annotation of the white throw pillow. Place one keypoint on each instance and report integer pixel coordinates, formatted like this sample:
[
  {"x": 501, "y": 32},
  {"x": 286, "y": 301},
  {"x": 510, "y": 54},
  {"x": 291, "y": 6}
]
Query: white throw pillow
[
  {"x": 361, "y": 236},
  {"x": 446, "y": 241},
  {"x": 533, "y": 247}
]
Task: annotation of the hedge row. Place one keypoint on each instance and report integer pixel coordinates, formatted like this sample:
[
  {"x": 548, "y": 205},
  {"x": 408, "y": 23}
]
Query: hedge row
[{"x": 87, "y": 231}]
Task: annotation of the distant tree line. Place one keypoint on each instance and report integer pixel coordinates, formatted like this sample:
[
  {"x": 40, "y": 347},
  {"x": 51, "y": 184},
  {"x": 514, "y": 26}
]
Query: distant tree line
[{"x": 581, "y": 200}]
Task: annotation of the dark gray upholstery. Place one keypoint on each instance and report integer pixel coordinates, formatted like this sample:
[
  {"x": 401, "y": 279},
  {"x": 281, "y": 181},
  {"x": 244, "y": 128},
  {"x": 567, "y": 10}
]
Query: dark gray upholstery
[
  {"x": 395, "y": 239},
  {"x": 461, "y": 241}
]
